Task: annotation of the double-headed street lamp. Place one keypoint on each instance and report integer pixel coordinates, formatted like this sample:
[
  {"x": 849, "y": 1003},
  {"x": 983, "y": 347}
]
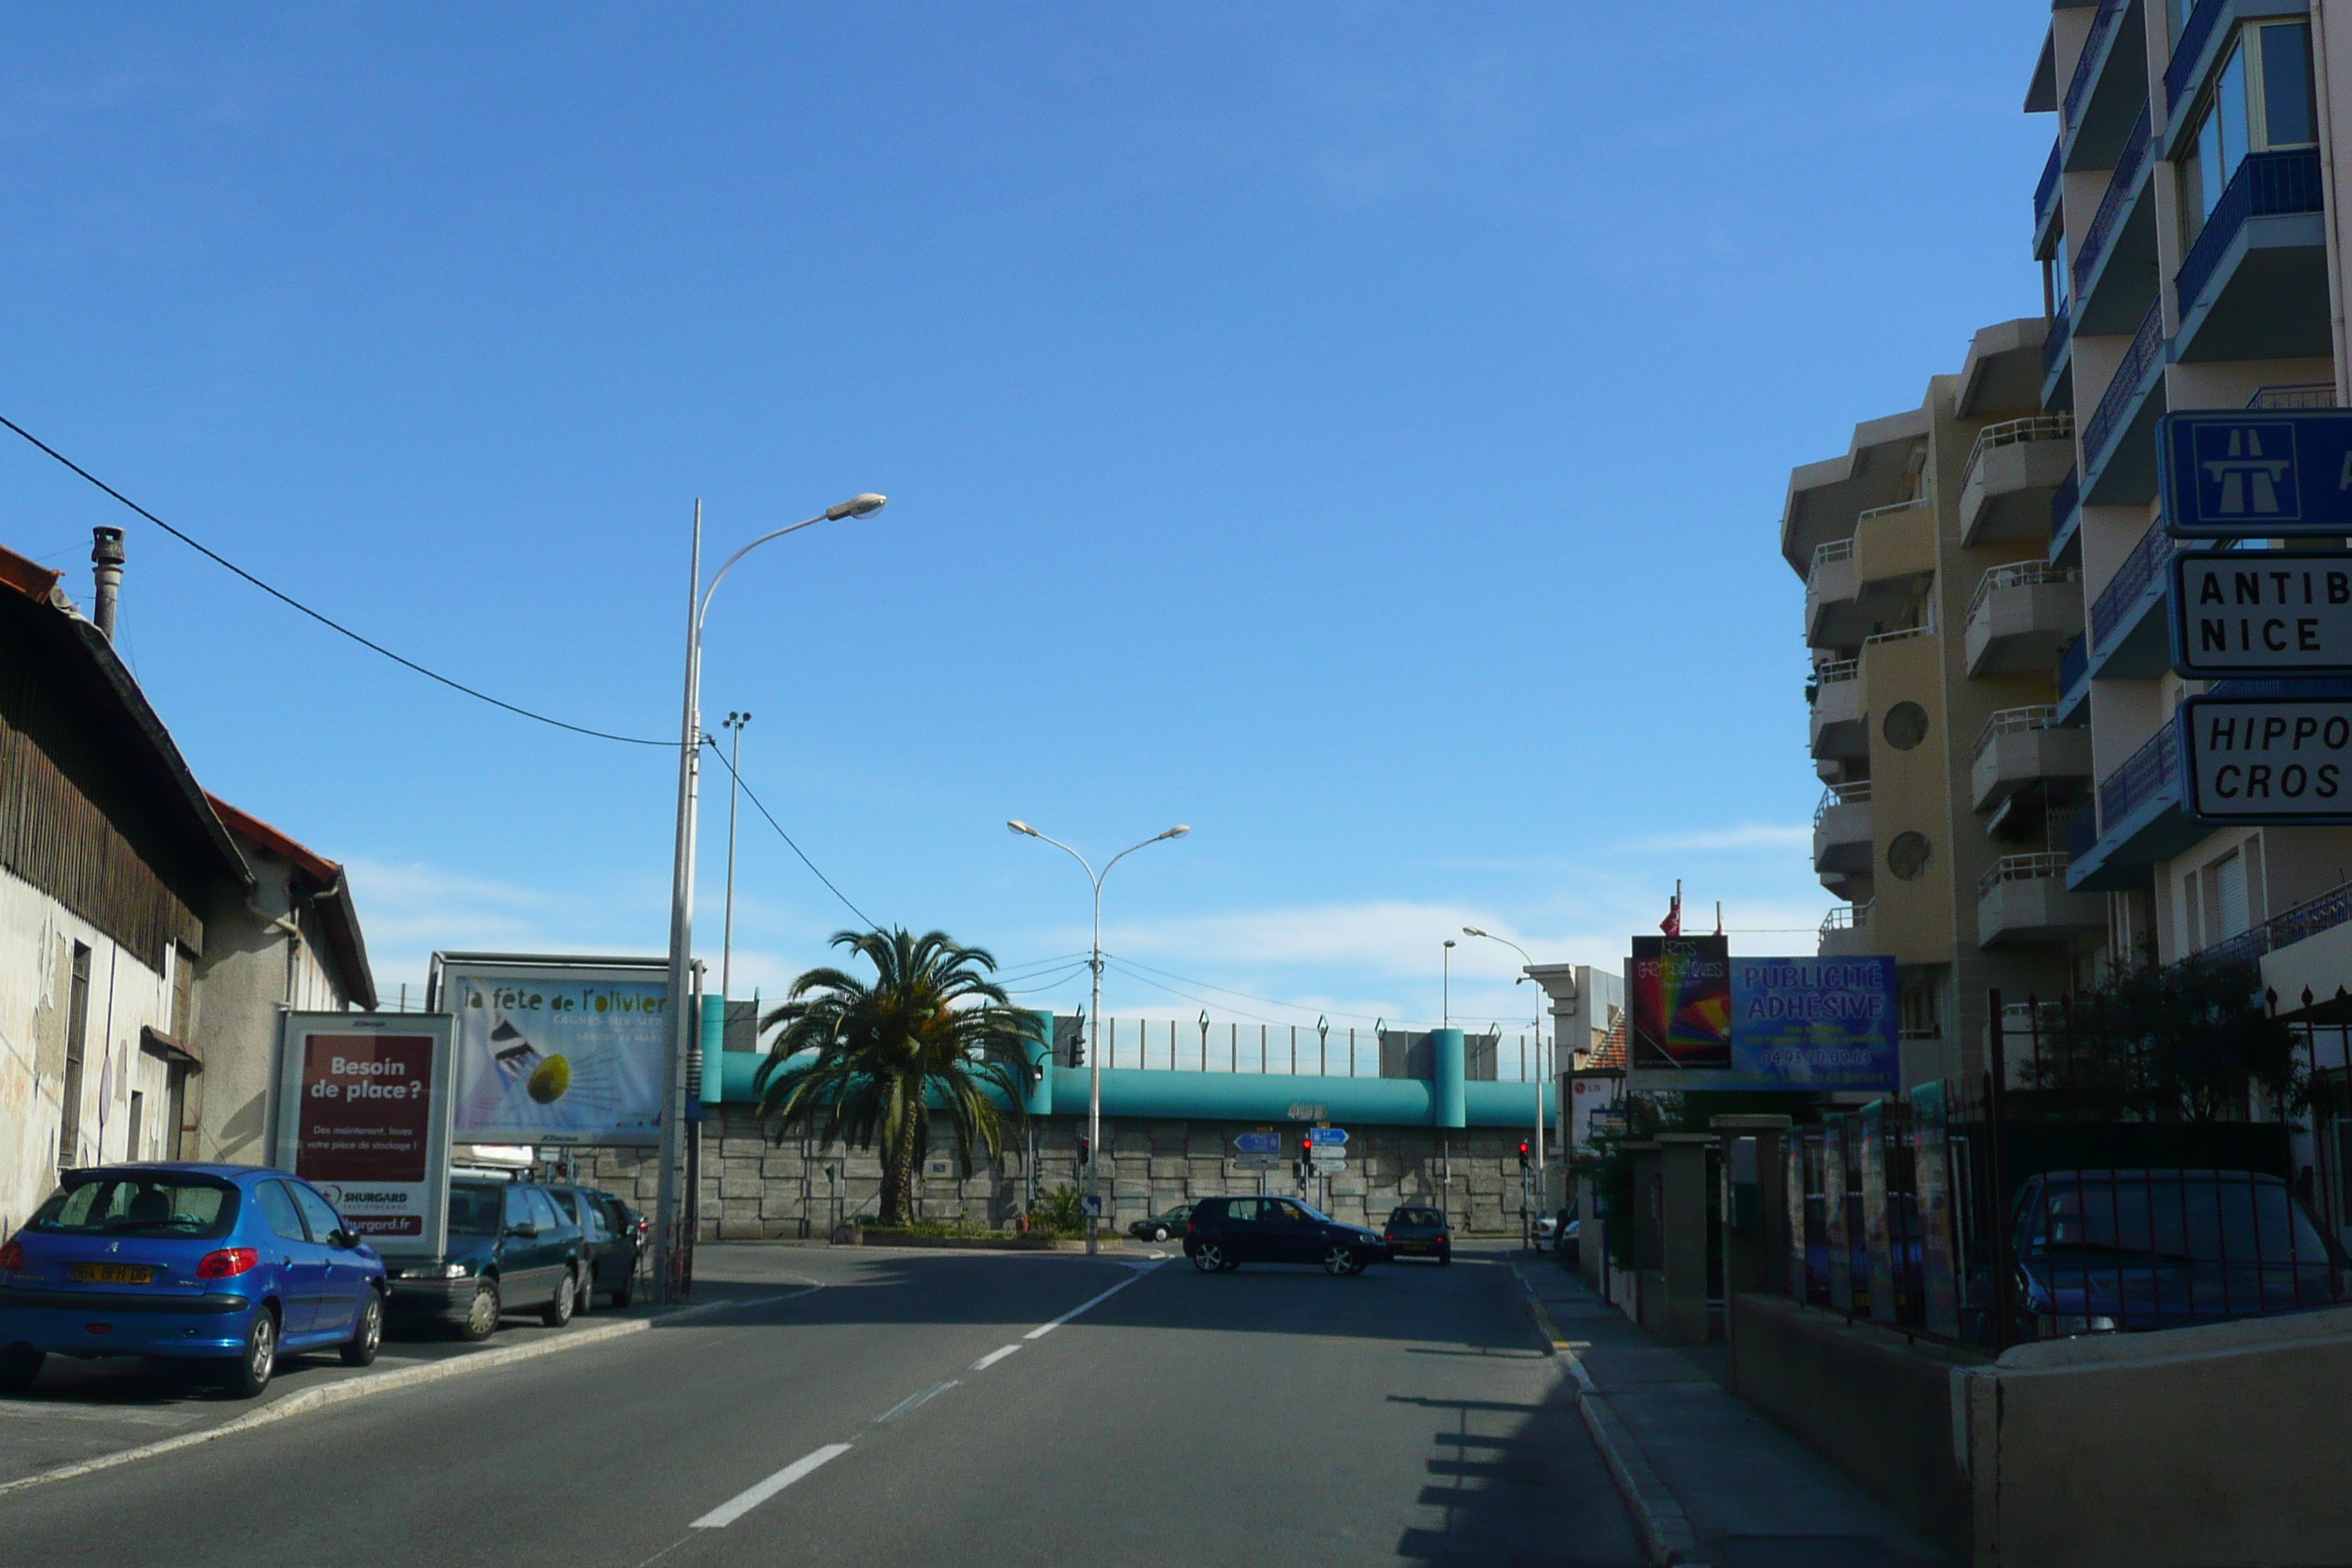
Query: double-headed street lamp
[
  {"x": 1541, "y": 1078},
  {"x": 1094, "y": 1014},
  {"x": 666, "y": 1251}
]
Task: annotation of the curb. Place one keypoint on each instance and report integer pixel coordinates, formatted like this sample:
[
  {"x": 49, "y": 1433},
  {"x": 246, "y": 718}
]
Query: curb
[{"x": 353, "y": 1388}]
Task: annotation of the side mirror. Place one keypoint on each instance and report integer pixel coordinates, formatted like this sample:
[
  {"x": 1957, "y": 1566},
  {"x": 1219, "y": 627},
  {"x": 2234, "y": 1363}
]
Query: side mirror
[
  {"x": 345, "y": 1239},
  {"x": 525, "y": 1231}
]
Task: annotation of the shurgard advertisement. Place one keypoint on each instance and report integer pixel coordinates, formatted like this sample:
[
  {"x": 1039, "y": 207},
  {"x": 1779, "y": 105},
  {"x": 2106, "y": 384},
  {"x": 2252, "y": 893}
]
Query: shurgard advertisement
[
  {"x": 1679, "y": 988},
  {"x": 558, "y": 1055},
  {"x": 365, "y": 1119}
]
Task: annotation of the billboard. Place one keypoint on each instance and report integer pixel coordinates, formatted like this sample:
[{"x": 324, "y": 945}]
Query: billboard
[
  {"x": 552, "y": 1050},
  {"x": 364, "y": 1118},
  {"x": 1679, "y": 1007},
  {"x": 1827, "y": 1024}
]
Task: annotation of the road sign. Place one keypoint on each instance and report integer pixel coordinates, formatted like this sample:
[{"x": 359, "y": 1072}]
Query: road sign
[
  {"x": 1258, "y": 1142},
  {"x": 1329, "y": 1157},
  {"x": 1322, "y": 1135},
  {"x": 2269, "y": 612},
  {"x": 1257, "y": 1162},
  {"x": 2261, "y": 473},
  {"x": 2267, "y": 758},
  {"x": 1090, "y": 1205}
]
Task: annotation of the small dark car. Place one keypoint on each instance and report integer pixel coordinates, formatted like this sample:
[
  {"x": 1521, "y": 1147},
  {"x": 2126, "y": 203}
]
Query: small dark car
[
  {"x": 509, "y": 1241},
  {"x": 1224, "y": 1233},
  {"x": 1417, "y": 1230},
  {"x": 1160, "y": 1227},
  {"x": 612, "y": 1238}
]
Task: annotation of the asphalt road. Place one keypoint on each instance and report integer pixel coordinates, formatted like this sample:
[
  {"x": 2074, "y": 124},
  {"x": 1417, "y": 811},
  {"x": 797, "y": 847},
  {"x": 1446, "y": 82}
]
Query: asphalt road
[{"x": 920, "y": 1408}]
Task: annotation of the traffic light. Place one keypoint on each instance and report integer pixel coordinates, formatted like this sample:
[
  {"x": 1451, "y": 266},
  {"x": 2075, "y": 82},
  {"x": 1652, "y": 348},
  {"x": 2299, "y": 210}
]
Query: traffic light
[
  {"x": 1085, "y": 1153},
  {"x": 1306, "y": 1156},
  {"x": 1523, "y": 1153}
]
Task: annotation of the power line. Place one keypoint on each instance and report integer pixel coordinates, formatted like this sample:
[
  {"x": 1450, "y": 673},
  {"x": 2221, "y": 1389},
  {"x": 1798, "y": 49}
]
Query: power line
[
  {"x": 1269, "y": 1001},
  {"x": 328, "y": 622},
  {"x": 871, "y": 923}
]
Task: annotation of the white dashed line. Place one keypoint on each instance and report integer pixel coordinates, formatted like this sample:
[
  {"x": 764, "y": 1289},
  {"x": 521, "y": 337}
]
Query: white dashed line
[
  {"x": 744, "y": 1503},
  {"x": 914, "y": 1402},
  {"x": 1042, "y": 1330},
  {"x": 992, "y": 1357}
]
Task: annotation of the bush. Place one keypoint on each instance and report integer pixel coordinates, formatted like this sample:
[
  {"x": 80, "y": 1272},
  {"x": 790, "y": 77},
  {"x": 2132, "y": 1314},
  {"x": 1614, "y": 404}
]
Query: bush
[{"x": 1056, "y": 1212}]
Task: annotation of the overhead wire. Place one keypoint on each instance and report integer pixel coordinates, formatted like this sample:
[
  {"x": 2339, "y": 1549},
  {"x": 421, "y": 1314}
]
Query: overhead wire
[{"x": 871, "y": 925}]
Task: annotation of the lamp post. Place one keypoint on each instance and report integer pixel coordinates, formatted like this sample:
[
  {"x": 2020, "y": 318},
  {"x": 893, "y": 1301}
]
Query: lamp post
[
  {"x": 1540, "y": 1075},
  {"x": 1445, "y": 986},
  {"x": 735, "y": 722},
  {"x": 1094, "y": 1011},
  {"x": 666, "y": 1251}
]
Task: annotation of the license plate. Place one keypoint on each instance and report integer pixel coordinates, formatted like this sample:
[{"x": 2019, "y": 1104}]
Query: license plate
[{"x": 112, "y": 1273}]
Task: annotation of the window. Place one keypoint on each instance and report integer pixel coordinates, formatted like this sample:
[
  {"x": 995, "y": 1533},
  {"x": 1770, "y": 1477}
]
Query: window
[
  {"x": 1242, "y": 1211},
  {"x": 194, "y": 1207},
  {"x": 316, "y": 1213},
  {"x": 518, "y": 1209},
  {"x": 278, "y": 1210},
  {"x": 2260, "y": 102},
  {"x": 77, "y": 1034},
  {"x": 542, "y": 1212},
  {"x": 473, "y": 1210},
  {"x": 2228, "y": 878}
]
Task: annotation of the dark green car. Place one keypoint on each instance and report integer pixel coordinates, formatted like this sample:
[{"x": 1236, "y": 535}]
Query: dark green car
[{"x": 1160, "y": 1227}]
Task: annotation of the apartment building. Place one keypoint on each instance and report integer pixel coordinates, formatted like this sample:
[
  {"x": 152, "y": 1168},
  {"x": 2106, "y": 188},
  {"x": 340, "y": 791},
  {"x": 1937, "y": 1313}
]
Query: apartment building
[{"x": 1935, "y": 618}]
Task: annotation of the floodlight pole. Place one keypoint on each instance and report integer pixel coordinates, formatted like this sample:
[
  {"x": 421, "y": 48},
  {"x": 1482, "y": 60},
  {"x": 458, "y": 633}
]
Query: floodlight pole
[{"x": 1540, "y": 1075}]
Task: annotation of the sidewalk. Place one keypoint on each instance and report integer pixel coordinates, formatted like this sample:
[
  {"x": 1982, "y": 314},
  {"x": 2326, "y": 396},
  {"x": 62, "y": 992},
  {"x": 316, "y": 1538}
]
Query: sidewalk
[{"x": 1710, "y": 1480}]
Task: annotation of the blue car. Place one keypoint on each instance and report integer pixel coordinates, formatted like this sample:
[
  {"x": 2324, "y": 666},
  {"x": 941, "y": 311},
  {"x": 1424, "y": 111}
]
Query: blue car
[{"x": 179, "y": 1262}]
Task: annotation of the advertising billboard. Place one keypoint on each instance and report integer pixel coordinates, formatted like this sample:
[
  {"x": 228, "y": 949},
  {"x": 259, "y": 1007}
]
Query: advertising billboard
[
  {"x": 1679, "y": 1007},
  {"x": 1828, "y": 1023},
  {"x": 364, "y": 1116},
  {"x": 552, "y": 1050}
]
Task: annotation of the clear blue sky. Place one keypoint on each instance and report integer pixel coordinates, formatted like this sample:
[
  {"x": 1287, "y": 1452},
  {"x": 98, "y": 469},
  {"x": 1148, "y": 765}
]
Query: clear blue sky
[{"x": 1357, "y": 431}]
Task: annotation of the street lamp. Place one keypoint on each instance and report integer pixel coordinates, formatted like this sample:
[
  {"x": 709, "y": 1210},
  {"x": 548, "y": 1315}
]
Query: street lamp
[
  {"x": 1445, "y": 986},
  {"x": 681, "y": 876},
  {"x": 1094, "y": 1056},
  {"x": 735, "y": 722},
  {"x": 1540, "y": 1075}
]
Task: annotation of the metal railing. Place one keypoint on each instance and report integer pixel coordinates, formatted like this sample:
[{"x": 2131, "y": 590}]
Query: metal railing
[
  {"x": 2185, "y": 50},
  {"x": 2107, "y": 420},
  {"x": 1900, "y": 634},
  {"x": 2062, "y": 499},
  {"x": 1834, "y": 795},
  {"x": 2040, "y": 867},
  {"x": 2082, "y": 832},
  {"x": 2058, "y": 426},
  {"x": 2129, "y": 163},
  {"x": 2328, "y": 910},
  {"x": 1833, "y": 549},
  {"x": 1889, "y": 508},
  {"x": 2045, "y": 190},
  {"x": 2053, "y": 346},
  {"x": 2013, "y": 722},
  {"x": 2074, "y": 663},
  {"x": 2266, "y": 183},
  {"x": 2148, "y": 558},
  {"x": 2302, "y": 395},
  {"x": 2149, "y": 774},
  {"x": 1847, "y": 916},
  {"x": 2078, "y": 86},
  {"x": 1837, "y": 669},
  {"x": 2016, "y": 574}
]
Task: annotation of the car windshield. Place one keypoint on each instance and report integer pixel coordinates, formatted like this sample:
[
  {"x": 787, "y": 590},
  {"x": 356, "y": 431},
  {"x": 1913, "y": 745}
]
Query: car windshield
[
  {"x": 109, "y": 1203},
  {"x": 2177, "y": 1217},
  {"x": 474, "y": 1210}
]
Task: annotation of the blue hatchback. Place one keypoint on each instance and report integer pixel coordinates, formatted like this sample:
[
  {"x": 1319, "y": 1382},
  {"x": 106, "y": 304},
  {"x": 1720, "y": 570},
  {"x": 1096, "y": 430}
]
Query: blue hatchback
[{"x": 186, "y": 1262}]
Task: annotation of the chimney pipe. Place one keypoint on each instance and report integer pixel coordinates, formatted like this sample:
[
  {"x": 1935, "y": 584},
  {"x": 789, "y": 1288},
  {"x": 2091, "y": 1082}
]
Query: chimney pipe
[{"x": 106, "y": 556}]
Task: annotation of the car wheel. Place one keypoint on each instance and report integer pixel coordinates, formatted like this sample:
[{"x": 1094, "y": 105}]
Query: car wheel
[
  {"x": 367, "y": 1333},
  {"x": 1339, "y": 1262},
  {"x": 249, "y": 1374},
  {"x": 481, "y": 1312},
  {"x": 1210, "y": 1259},
  {"x": 584, "y": 1301},
  {"x": 19, "y": 1365},
  {"x": 558, "y": 1310},
  {"x": 1445, "y": 1257},
  {"x": 1160, "y": 1232}
]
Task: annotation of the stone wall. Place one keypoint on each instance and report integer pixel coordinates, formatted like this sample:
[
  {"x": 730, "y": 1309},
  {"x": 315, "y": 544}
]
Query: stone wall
[{"x": 755, "y": 1189}]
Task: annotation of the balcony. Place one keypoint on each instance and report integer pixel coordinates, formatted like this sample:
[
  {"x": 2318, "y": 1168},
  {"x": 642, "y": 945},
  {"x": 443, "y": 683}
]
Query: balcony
[
  {"x": 2074, "y": 683},
  {"x": 2024, "y": 898},
  {"x": 2254, "y": 284},
  {"x": 2194, "y": 54},
  {"x": 1831, "y": 595},
  {"x": 2021, "y": 616},
  {"x": 1845, "y": 931},
  {"x": 2021, "y": 748},
  {"x": 2140, "y": 821},
  {"x": 2045, "y": 194},
  {"x": 2066, "y": 521},
  {"x": 2120, "y": 437},
  {"x": 1842, "y": 830},
  {"x": 2013, "y": 472},
  {"x": 2108, "y": 88},
  {"x": 2114, "y": 269},
  {"x": 1839, "y": 725},
  {"x": 2057, "y": 363},
  {"x": 2306, "y": 953}
]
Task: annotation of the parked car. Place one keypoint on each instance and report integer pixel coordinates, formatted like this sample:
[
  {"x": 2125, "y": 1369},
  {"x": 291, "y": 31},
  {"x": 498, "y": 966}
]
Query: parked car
[
  {"x": 1160, "y": 1227},
  {"x": 612, "y": 1240},
  {"x": 1566, "y": 1233},
  {"x": 227, "y": 1265},
  {"x": 509, "y": 1241},
  {"x": 1417, "y": 1230},
  {"x": 1225, "y": 1233},
  {"x": 2107, "y": 1251}
]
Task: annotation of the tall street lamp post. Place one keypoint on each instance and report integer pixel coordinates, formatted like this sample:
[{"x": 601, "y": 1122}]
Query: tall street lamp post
[
  {"x": 1445, "y": 986},
  {"x": 735, "y": 722},
  {"x": 1094, "y": 1011},
  {"x": 668, "y": 1253},
  {"x": 1540, "y": 1073}
]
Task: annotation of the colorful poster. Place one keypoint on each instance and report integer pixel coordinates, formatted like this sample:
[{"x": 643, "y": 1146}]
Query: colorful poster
[
  {"x": 1680, "y": 993},
  {"x": 365, "y": 1118},
  {"x": 558, "y": 1054},
  {"x": 1938, "y": 1257},
  {"x": 1827, "y": 1024}
]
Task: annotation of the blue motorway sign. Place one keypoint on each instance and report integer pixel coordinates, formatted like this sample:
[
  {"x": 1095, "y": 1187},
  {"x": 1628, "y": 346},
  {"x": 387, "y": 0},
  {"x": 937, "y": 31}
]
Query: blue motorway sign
[
  {"x": 2257, "y": 473},
  {"x": 1331, "y": 1135},
  {"x": 1258, "y": 1142}
]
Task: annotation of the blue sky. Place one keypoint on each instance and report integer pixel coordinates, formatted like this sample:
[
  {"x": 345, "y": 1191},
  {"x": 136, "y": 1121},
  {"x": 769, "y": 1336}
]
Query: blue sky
[{"x": 1357, "y": 431}]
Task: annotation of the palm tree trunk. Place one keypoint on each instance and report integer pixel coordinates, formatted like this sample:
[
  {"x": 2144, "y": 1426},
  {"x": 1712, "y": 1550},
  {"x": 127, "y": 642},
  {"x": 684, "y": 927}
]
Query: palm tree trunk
[{"x": 898, "y": 1179}]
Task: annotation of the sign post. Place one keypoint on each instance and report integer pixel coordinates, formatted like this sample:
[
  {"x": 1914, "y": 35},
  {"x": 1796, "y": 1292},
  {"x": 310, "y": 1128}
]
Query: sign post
[{"x": 364, "y": 1118}]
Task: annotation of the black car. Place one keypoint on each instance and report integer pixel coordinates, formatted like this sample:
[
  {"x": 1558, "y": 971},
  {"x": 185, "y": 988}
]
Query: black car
[
  {"x": 1417, "y": 1230},
  {"x": 508, "y": 1242},
  {"x": 612, "y": 1241},
  {"x": 1225, "y": 1233},
  {"x": 1160, "y": 1227}
]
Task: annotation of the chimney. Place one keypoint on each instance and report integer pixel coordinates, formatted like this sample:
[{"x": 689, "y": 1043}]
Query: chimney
[{"x": 106, "y": 557}]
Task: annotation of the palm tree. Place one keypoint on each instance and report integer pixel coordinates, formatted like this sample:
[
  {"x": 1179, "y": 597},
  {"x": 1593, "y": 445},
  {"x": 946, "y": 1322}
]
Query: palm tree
[{"x": 932, "y": 1027}]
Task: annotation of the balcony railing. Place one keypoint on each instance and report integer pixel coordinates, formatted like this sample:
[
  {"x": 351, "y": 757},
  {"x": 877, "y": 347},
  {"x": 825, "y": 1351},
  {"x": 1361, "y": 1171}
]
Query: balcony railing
[
  {"x": 1900, "y": 634},
  {"x": 2013, "y": 722},
  {"x": 1834, "y": 795},
  {"x": 2106, "y": 421},
  {"x": 2043, "y": 866},
  {"x": 2062, "y": 499},
  {"x": 2078, "y": 87},
  {"x": 1823, "y": 553},
  {"x": 2129, "y": 164},
  {"x": 1889, "y": 509},
  {"x": 2147, "y": 773},
  {"x": 1837, "y": 669},
  {"x": 2016, "y": 574},
  {"x": 2045, "y": 191},
  {"x": 2185, "y": 50},
  {"x": 1847, "y": 916},
  {"x": 2058, "y": 426},
  {"x": 2074, "y": 663},
  {"x": 2154, "y": 550},
  {"x": 2307, "y": 395},
  {"x": 2266, "y": 183},
  {"x": 2053, "y": 346},
  {"x": 2082, "y": 832}
]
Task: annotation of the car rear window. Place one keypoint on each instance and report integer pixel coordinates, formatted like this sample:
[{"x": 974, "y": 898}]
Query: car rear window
[
  {"x": 474, "y": 1210},
  {"x": 1416, "y": 1217},
  {"x": 124, "y": 1204}
]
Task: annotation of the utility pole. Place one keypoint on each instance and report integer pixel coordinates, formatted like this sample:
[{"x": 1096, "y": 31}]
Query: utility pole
[{"x": 734, "y": 721}]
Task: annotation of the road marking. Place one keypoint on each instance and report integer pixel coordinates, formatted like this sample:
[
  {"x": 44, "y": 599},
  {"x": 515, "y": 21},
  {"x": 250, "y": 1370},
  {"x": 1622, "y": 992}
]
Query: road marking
[
  {"x": 741, "y": 1503},
  {"x": 992, "y": 1357},
  {"x": 914, "y": 1401},
  {"x": 1042, "y": 1330}
]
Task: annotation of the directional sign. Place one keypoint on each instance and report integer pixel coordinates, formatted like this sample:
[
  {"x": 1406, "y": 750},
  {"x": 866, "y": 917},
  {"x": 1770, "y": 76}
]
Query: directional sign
[
  {"x": 1257, "y": 1162},
  {"x": 1321, "y": 1135},
  {"x": 2258, "y": 473},
  {"x": 2268, "y": 759},
  {"x": 1258, "y": 1142},
  {"x": 2262, "y": 612}
]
